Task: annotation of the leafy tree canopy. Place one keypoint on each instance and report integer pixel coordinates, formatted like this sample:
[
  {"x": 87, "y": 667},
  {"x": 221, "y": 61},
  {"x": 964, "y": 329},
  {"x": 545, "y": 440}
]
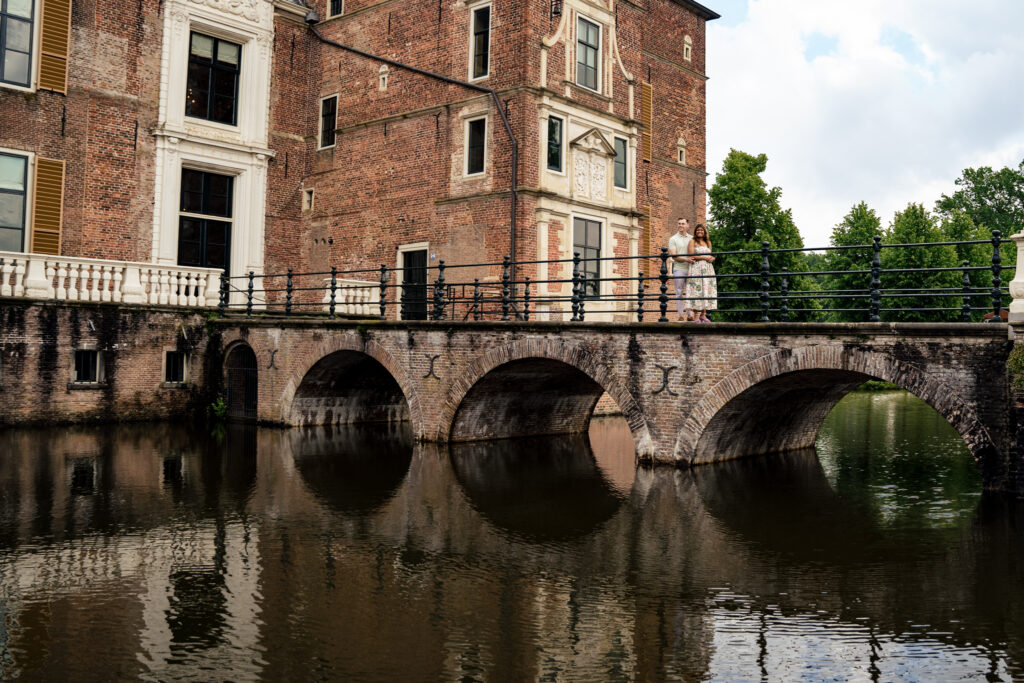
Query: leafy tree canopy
[{"x": 993, "y": 199}]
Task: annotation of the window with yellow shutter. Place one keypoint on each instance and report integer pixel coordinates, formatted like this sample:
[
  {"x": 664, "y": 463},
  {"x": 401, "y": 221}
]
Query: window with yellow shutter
[
  {"x": 647, "y": 119},
  {"x": 54, "y": 45},
  {"x": 47, "y": 206}
]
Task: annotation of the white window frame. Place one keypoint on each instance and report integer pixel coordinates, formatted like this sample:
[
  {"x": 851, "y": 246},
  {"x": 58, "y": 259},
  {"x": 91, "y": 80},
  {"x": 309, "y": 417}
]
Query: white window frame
[
  {"x": 600, "y": 51},
  {"x": 465, "y": 145},
  {"x": 473, "y": 9},
  {"x": 243, "y": 43},
  {"x": 29, "y": 192},
  {"x": 194, "y": 165},
  {"x": 33, "y": 62},
  {"x": 186, "y": 375},
  {"x": 402, "y": 248},
  {"x": 688, "y": 49},
  {"x": 621, "y": 188},
  {"x": 564, "y": 161},
  {"x": 601, "y": 265},
  {"x": 100, "y": 374},
  {"x": 320, "y": 125},
  {"x": 331, "y": 16}
]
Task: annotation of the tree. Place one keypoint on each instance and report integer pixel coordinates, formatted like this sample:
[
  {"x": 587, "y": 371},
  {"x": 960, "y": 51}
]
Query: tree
[
  {"x": 993, "y": 199},
  {"x": 858, "y": 227},
  {"x": 916, "y": 225},
  {"x": 746, "y": 212}
]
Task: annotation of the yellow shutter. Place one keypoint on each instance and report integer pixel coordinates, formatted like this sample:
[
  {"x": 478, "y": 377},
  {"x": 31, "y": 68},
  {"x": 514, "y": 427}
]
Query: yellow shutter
[
  {"x": 54, "y": 48},
  {"x": 646, "y": 118},
  {"x": 47, "y": 206},
  {"x": 645, "y": 241}
]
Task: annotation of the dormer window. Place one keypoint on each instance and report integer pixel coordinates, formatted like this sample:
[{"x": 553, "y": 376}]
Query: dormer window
[{"x": 588, "y": 52}]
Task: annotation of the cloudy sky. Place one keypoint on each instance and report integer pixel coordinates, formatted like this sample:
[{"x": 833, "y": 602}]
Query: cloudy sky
[{"x": 884, "y": 101}]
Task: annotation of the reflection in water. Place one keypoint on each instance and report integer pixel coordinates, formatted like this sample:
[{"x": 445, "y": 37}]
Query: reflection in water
[{"x": 151, "y": 552}]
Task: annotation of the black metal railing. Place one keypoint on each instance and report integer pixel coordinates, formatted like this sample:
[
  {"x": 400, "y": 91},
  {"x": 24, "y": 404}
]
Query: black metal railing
[{"x": 641, "y": 288}]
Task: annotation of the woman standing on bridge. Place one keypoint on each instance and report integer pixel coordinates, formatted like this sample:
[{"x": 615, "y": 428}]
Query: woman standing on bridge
[{"x": 701, "y": 287}]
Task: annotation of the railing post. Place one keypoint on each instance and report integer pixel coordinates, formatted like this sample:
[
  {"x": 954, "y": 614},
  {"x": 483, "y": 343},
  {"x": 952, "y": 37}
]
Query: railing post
[
  {"x": 997, "y": 267},
  {"x": 784, "y": 308},
  {"x": 248, "y": 303},
  {"x": 965, "y": 309},
  {"x": 223, "y": 303},
  {"x": 477, "y": 299},
  {"x": 526, "y": 298},
  {"x": 334, "y": 288},
  {"x": 439, "y": 292},
  {"x": 1016, "y": 313},
  {"x": 663, "y": 276},
  {"x": 575, "y": 287},
  {"x": 505, "y": 280},
  {"x": 765, "y": 272},
  {"x": 583, "y": 295},
  {"x": 383, "y": 292},
  {"x": 640, "y": 300},
  {"x": 876, "y": 278},
  {"x": 288, "y": 295}
]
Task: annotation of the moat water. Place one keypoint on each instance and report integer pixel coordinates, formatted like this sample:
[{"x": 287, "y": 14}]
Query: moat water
[{"x": 157, "y": 552}]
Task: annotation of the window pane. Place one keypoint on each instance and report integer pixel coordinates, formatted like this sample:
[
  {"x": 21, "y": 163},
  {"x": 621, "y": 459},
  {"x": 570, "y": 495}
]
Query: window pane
[
  {"x": 620, "y": 162},
  {"x": 217, "y": 232},
  {"x": 19, "y": 35},
  {"x": 16, "y": 67},
  {"x": 12, "y": 172},
  {"x": 188, "y": 231},
  {"x": 335, "y": 7},
  {"x": 477, "y": 130},
  {"x": 12, "y": 210},
  {"x": 482, "y": 19},
  {"x": 85, "y": 366},
  {"x": 197, "y": 94},
  {"x": 188, "y": 254},
  {"x": 10, "y": 240},
  {"x": 202, "y": 46},
  {"x": 228, "y": 53},
  {"x": 555, "y": 144},
  {"x": 224, "y": 84},
  {"x": 21, "y": 8},
  {"x": 175, "y": 363},
  {"x": 223, "y": 110}
]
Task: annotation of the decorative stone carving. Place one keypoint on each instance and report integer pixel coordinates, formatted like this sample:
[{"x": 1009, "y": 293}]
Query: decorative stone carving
[
  {"x": 242, "y": 8},
  {"x": 581, "y": 171},
  {"x": 591, "y": 155},
  {"x": 598, "y": 177}
]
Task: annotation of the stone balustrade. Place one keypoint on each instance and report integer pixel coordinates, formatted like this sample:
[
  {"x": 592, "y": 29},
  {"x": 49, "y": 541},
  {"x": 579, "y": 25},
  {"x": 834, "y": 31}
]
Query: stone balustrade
[
  {"x": 352, "y": 297},
  {"x": 65, "y": 278},
  {"x": 1016, "y": 313}
]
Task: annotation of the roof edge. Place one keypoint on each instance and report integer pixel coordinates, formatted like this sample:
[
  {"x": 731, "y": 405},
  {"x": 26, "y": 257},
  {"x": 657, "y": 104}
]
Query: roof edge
[{"x": 699, "y": 9}]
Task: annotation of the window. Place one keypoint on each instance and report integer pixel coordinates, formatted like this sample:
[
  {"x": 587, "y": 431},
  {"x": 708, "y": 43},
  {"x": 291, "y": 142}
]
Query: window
[
  {"x": 476, "y": 144},
  {"x": 586, "y": 241},
  {"x": 308, "y": 199},
  {"x": 16, "y": 41},
  {"x": 481, "y": 49},
  {"x": 204, "y": 228},
  {"x": 174, "y": 367},
  {"x": 87, "y": 367},
  {"x": 213, "y": 70},
  {"x": 335, "y": 7},
  {"x": 688, "y": 48},
  {"x": 13, "y": 181},
  {"x": 555, "y": 144},
  {"x": 620, "y": 163},
  {"x": 588, "y": 48},
  {"x": 328, "y": 120}
]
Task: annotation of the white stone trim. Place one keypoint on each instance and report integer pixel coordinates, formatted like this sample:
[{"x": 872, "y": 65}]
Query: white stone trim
[
  {"x": 468, "y": 119},
  {"x": 474, "y": 7},
  {"x": 600, "y": 90},
  {"x": 320, "y": 121},
  {"x": 29, "y": 192}
]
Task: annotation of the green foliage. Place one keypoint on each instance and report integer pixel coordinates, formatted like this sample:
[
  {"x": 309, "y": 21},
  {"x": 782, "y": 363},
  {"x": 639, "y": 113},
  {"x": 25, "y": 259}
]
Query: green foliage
[
  {"x": 746, "y": 212},
  {"x": 1015, "y": 367},
  {"x": 858, "y": 227},
  {"x": 877, "y": 385},
  {"x": 993, "y": 199},
  {"x": 916, "y": 225},
  {"x": 217, "y": 410}
]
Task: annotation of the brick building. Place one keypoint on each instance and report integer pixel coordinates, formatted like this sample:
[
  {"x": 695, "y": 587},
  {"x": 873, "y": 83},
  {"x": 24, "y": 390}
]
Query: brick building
[{"x": 145, "y": 146}]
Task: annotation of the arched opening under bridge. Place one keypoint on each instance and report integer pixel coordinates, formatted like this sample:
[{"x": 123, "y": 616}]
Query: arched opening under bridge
[
  {"x": 348, "y": 387},
  {"x": 241, "y": 385}
]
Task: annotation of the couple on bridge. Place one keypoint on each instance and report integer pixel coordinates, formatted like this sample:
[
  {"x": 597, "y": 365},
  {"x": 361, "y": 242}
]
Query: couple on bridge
[{"x": 692, "y": 272}]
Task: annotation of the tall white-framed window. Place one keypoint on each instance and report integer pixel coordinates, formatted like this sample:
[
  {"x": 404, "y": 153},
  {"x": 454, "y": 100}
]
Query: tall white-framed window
[
  {"x": 480, "y": 42},
  {"x": 328, "y": 121},
  {"x": 214, "y": 72},
  {"x": 205, "y": 219},
  {"x": 621, "y": 163},
  {"x": 17, "y": 42},
  {"x": 586, "y": 241},
  {"x": 15, "y": 204},
  {"x": 335, "y": 8},
  {"x": 555, "y": 151},
  {"x": 476, "y": 146},
  {"x": 588, "y": 54}
]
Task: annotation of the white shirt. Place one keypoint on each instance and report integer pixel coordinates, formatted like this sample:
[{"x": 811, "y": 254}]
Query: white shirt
[{"x": 677, "y": 244}]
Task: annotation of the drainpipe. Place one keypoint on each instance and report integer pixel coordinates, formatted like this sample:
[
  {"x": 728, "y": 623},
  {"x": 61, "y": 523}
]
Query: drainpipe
[{"x": 311, "y": 20}]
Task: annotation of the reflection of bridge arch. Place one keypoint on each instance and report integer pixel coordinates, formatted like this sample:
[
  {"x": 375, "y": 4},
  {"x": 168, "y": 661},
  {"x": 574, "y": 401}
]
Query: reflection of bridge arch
[
  {"x": 534, "y": 387},
  {"x": 778, "y": 402},
  {"x": 345, "y": 379}
]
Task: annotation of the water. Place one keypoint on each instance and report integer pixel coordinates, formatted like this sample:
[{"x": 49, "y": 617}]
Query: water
[{"x": 153, "y": 552}]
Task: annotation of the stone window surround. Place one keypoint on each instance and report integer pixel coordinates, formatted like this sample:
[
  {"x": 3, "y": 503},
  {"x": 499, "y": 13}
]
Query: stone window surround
[
  {"x": 101, "y": 380},
  {"x": 33, "y": 66},
  {"x": 29, "y": 192},
  {"x": 688, "y": 49},
  {"x": 565, "y": 143},
  {"x": 473, "y": 7},
  {"x": 600, "y": 52},
  {"x": 467, "y": 119},
  {"x": 400, "y": 250},
  {"x": 320, "y": 120},
  {"x": 186, "y": 378},
  {"x": 328, "y": 12}
]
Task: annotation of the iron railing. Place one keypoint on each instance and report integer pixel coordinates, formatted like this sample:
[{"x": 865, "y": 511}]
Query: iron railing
[{"x": 621, "y": 288}]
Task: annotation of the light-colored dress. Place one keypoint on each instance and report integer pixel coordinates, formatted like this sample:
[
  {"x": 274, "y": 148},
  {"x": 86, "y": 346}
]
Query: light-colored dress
[{"x": 702, "y": 292}]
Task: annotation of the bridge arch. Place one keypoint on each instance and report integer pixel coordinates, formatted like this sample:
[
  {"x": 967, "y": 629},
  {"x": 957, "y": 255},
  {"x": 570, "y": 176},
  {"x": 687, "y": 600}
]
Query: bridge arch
[
  {"x": 367, "y": 383},
  {"x": 740, "y": 415},
  {"x": 566, "y": 382},
  {"x": 241, "y": 381}
]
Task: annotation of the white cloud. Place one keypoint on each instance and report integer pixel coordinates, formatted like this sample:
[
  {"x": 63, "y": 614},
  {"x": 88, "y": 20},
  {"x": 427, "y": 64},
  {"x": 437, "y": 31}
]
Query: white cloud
[{"x": 877, "y": 101}]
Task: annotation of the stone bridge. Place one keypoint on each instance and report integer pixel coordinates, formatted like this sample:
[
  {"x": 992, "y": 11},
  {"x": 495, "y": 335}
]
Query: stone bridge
[{"x": 690, "y": 394}]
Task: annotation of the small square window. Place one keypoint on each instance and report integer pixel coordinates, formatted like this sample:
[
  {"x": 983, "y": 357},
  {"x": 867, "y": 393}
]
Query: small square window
[
  {"x": 174, "y": 367},
  {"x": 87, "y": 366}
]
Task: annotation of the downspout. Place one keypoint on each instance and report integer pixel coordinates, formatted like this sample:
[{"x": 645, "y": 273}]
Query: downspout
[{"x": 311, "y": 20}]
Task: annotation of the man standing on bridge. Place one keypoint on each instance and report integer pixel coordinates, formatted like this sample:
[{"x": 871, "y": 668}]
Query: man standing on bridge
[{"x": 677, "y": 248}]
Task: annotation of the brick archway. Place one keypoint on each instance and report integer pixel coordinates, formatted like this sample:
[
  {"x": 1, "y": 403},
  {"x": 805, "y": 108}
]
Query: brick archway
[
  {"x": 355, "y": 343},
  {"x": 574, "y": 356},
  {"x": 826, "y": 374}
]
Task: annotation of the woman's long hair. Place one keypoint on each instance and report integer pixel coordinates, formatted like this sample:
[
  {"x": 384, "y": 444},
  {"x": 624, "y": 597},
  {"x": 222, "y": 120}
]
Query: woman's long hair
[{"x": 698, "y": 238}]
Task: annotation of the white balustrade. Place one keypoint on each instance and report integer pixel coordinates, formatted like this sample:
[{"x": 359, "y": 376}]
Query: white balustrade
[
  {"x": 1016, "y": 313},
  {"x": 353, "y": 297},
  {"x": 63, "y": 278}
]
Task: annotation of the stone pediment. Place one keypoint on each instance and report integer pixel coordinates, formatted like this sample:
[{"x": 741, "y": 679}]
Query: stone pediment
[{"x": 593, "y": 141}]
